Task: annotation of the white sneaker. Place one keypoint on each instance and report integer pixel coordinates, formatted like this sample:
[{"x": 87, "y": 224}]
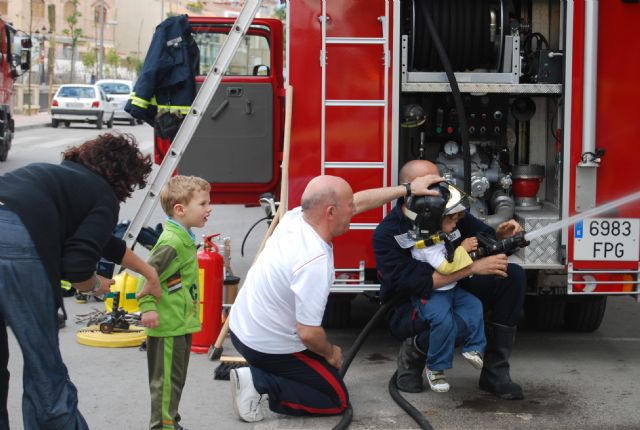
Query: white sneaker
[
  {"x": 474, "y": 357},
  {"x": 437, "y": 381},
  {"x": 247, "y": 402}
]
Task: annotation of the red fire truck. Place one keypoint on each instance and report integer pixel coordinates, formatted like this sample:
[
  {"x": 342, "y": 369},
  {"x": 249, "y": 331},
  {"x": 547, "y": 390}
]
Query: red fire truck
[
  {"x": 14, "y": 60},
  {"x": 544, "y": 128}
]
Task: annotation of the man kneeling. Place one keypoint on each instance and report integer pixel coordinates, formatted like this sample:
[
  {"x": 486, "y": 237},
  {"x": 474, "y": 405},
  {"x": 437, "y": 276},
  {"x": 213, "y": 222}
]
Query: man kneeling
[{"x": 275, "y": 320}]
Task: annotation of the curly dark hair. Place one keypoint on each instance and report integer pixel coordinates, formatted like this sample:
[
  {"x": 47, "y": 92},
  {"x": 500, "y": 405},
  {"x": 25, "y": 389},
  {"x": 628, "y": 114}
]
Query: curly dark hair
[{"x": 117, "y": 159}]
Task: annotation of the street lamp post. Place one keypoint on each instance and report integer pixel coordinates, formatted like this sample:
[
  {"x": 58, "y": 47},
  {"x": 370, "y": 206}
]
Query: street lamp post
[
  {"x": 101, "y": 50},
  {"x": 29, "y": 71}
]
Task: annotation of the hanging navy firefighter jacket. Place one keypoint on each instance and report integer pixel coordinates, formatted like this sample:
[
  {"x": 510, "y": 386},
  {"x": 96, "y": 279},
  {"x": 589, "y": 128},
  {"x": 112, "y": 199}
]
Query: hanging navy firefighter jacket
[{"x": 167, "y": 80}]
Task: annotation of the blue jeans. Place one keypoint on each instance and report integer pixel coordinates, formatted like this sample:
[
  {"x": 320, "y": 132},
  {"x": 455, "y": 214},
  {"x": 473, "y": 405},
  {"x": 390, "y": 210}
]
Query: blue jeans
[
  {"x": 27, "y": 305},
  {"x": 439, "y": 310}
]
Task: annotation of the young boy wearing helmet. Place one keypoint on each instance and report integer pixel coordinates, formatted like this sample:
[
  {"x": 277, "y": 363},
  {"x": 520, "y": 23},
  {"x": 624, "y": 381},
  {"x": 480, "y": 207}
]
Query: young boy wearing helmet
[{"x": 437, "y": 218}]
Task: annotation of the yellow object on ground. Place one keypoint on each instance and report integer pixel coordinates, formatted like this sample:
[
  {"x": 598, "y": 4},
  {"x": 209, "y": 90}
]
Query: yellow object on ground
[
  {"x": 91, "y": 336},
  {"x": 128, "y": 299}
]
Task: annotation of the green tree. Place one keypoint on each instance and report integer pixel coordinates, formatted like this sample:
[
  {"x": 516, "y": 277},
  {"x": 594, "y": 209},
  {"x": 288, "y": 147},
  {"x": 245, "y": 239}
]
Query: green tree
[
  {"x": 280, "y": 13},
  {"x": 74, "y": 32},
  {"x": 113, "y": 60},
  {"x": 139, "y": 64},
  {"x": 132, "y": 64},
  {"x": 89, "y": 60}
]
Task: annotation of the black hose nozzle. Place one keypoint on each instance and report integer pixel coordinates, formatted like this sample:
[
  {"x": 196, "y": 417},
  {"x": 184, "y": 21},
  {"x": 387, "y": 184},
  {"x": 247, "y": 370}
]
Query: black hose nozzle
[{"x": 488, "y": 246}]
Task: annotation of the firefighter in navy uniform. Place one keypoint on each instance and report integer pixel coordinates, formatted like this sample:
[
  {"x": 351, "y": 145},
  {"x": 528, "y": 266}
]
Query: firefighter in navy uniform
[
  {"x": 166, "y": 87},
  {"x": 502, "y": 296}
]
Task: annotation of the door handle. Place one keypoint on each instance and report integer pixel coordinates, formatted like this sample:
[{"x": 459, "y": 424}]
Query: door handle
[
  {"x": 248, "y": 107},
  {"x": 219, "y": 109},
  {"x": 234, "y": 92}
]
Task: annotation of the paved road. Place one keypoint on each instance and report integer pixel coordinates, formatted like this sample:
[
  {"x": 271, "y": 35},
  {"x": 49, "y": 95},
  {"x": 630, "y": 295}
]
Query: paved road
[{"x": 571, "y": 381}]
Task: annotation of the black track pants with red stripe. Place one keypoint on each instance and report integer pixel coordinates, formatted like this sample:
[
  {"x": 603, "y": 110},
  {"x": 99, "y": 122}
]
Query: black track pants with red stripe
[{"x": 302, "y": 383}]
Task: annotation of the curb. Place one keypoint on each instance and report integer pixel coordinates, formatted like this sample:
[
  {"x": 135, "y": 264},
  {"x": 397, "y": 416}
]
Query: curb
[{"x": 31, "y": 126}]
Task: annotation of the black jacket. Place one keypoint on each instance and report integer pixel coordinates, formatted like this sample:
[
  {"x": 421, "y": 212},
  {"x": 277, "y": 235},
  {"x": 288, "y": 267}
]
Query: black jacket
[
  {"x": 400, "y": 273},
  {"x": 167, "y": 80},
  {"x": 70, "y": 224}
]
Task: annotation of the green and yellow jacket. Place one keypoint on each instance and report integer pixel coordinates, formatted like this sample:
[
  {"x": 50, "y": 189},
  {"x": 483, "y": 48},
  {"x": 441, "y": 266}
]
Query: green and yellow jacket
[{"x": 175, "y": 259}]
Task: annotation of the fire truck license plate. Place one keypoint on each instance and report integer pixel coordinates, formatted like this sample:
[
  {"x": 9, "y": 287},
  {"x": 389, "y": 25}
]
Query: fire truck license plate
[{"x": 604, "y": 239}]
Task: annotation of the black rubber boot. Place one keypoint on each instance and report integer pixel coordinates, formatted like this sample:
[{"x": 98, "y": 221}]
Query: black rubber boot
[
  {"x": 411, "y": 362},
  {"x": 62, "y": 320},
  {"x": 495, "y": 373}
]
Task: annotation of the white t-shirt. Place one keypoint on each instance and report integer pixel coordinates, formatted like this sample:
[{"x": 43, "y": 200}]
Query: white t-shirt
[
  {"x": 288, "y": 283},
  {"x": 434, "y": 255}
]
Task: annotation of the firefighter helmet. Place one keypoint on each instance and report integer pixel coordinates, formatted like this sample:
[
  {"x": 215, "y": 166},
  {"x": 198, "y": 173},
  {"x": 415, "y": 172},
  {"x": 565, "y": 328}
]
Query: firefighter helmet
[
  {"x": 426, "y": 212},
  {"x": 413, "y": 115}
]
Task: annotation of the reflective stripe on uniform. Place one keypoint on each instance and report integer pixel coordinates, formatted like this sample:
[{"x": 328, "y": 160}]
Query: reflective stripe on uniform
[
  {"x": 140, "y": 102},
  {"x": 137, "y": 101},
  {"x": 182, "y": 109},
  {"x": 144, "y": 104}
]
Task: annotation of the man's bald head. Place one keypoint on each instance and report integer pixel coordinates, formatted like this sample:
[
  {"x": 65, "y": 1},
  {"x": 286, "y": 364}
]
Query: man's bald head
[
  {"x": 323, "y": 191},
  {"x": 416, "y": 168},
  {"x": 328, "y": 205}
]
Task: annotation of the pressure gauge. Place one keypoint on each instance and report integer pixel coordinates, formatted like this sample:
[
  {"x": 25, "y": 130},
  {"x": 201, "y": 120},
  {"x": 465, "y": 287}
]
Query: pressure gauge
[{"x": 451, "y": 148}]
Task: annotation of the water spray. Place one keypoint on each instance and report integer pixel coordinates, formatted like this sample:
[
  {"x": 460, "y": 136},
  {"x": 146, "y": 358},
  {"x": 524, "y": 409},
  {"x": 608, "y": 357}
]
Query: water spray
[
  {"x": 488, "y": 246},
  {"x": 558, "y": 225}
]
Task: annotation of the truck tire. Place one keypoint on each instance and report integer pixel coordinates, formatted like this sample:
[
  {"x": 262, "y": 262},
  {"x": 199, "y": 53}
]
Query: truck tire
[
  {"x": 4, "y": 151},
  {"x": 545, "y": 312},
  {"x": 5, "y": 145},
  {"x": 54, "y": 123},
  {"x": 337, "y": 313},
  {"x": 585, "y": 314}
]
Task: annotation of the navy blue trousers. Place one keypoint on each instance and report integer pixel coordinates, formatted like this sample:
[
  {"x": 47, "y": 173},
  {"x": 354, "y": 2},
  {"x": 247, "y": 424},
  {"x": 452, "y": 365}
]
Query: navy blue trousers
[{"x": 302, "y": 383}]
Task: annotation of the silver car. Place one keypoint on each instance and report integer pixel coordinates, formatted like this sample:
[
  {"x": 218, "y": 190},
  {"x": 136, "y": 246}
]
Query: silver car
[
  {"x": 81, "y": 103},
  {"x": 119, "y": 90}
]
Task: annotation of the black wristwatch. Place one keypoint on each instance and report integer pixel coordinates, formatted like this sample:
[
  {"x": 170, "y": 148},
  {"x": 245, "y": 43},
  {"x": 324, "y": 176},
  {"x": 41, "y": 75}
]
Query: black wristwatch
[{"x": 407, "y": 185}]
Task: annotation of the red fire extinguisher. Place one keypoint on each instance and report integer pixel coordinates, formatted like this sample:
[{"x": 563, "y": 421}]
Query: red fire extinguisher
[{"x": 211, "y": 264}]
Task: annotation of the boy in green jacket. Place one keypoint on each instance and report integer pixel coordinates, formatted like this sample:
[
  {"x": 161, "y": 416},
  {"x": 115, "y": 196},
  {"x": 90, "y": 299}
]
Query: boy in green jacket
[{"x": 171, "y": 321}]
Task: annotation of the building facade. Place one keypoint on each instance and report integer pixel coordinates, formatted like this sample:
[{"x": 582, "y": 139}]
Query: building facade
[{"x": 126, "y": 30}]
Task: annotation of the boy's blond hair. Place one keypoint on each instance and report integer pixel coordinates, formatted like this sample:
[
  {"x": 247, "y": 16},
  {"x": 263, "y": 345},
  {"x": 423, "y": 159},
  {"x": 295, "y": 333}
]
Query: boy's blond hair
[{"x": 179, "y": 190}]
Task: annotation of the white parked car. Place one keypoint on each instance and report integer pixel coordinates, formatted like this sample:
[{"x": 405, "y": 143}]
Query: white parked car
[
  {"x": 119, "y": 90},
  {"x": 81, "y": 103}
]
